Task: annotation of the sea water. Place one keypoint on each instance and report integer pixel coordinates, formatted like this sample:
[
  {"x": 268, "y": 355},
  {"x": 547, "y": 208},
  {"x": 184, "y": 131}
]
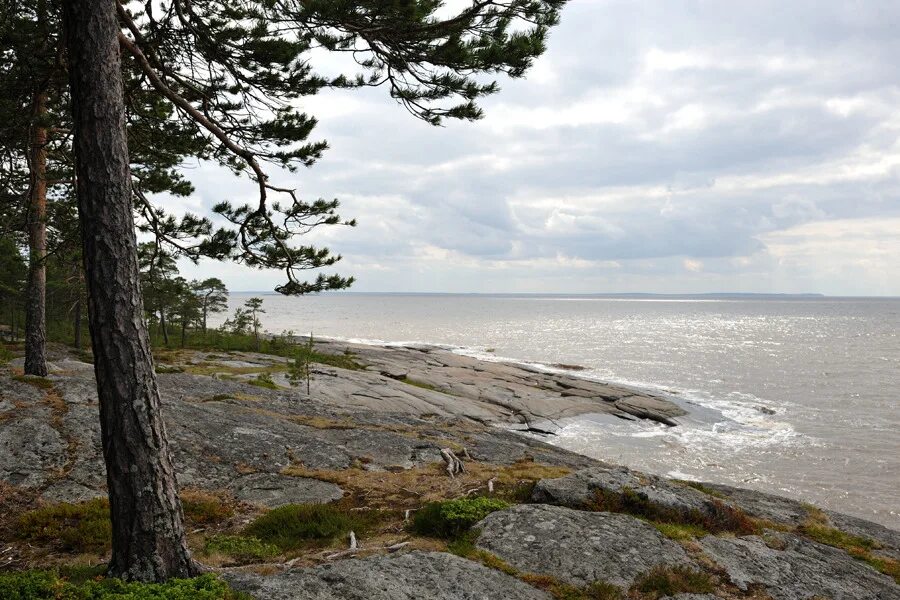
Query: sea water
[{"x": 796, "y": 396}]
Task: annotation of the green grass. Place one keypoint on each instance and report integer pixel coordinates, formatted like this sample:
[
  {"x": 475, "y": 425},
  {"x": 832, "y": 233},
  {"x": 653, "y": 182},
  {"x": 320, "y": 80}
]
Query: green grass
[
  {"x": 240, "y": 548},
  {"x": 297, "y": 525},
  {"x": 82, "y": 527},
  {"x": 451, "y": 518},
  {"x": 857, "y": 546},
  {"x": 49, "y": 585},
  {"x": 680, "y": 531},
  {"x": 668, "y": 581},
  {"x": 702, "y": 488}
]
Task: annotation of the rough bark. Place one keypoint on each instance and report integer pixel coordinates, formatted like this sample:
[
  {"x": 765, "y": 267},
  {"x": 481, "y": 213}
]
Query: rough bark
[
  {"x": 36, "y": 294},
  {"x": 77, "y": 319},
  {"x": 148, "y": 541}
]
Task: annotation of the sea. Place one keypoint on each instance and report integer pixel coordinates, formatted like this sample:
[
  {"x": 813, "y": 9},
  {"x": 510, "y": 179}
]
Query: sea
[{"x": 799, "y": 396}]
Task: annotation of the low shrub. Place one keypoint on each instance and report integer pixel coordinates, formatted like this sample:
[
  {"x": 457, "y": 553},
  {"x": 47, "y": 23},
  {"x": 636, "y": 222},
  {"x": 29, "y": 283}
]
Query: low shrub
[
  {"x": 264, "y": 380},
  {"x": 39, "y": 585},
  {"x": 203, "y": 509},
  {"x": 664, "y": 581},
  {"x": 451, "y": 518},
  {"x": 717, "y": 518},
  {"x": 82, "y": 527},
  {"x": 294, "y": 525},
  {"x": 240, "y": 548}
]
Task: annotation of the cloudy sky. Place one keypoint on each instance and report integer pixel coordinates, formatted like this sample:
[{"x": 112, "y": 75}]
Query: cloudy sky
[{"x": 658, "y": 146}]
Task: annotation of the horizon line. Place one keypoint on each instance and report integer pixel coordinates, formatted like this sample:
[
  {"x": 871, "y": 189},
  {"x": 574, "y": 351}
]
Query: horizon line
[{"x": 809, "y": 295}]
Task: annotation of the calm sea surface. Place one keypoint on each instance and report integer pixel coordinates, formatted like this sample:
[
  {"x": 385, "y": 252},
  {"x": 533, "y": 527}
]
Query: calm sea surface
[{"x": 796, "y": 396}]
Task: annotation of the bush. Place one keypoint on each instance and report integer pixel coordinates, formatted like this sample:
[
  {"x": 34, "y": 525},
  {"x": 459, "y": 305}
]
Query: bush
[
  {"x": 717, "y": 518},
  {"x": 451, "y": 518},
  {"x": 240, "y": 548},
  {"x": 45, "y": 585},
  {"x": 82, "y": 527},
  {"x": 663, "y": 581},
  {"x": 292, "y": 526}
]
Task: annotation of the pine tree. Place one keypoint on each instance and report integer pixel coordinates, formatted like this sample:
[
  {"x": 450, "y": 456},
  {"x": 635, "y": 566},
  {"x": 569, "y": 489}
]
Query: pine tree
[
  {"x": 231, "y": 70},
  {"x": 212, "y": 296}
]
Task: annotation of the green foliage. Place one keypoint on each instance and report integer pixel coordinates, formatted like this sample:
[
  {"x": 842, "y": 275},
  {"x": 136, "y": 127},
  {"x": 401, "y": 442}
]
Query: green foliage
[
  {"x": 82, "y": 527},
  {"x": 240, "y": 548},
  {"x": 667, "y": 581},
  {"x": 295, "y": 525},
  {"x": 46, "y": 585},
  {"x": 451, "y": 518}
]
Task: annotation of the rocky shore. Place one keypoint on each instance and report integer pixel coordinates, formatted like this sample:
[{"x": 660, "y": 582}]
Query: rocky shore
[{"x": 369, "y": 436}]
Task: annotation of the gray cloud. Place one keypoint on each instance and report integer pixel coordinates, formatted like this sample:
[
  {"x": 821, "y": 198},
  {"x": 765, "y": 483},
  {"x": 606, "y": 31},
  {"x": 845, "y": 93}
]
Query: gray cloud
[{"x": 689, "y": 146}]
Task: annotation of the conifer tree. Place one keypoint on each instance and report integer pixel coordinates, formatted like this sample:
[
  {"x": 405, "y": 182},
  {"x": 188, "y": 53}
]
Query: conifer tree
[{"x": 231, "y": 70}]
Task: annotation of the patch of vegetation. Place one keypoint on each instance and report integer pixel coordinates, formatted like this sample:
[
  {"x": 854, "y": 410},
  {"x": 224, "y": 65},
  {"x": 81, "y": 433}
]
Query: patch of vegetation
[
  {"x": 663, "y": 581},
  {"x": 240, "y": 548},
  {"x": 702, "y": 488},
  {"x": 5, "y": 355},
  {"x": 719, "y": 518},
  {"x": 33, "y": 585},
  {"x": 223, "y": 341},
  {"x": 295, "y": 525},
  {"x": 169, "y": 369},
  {"x": 464, "y": 546},
  {"x": 420, "y": 384},
  {"x": 34, "y": 380},
  {"x": 203, "y": 508},
  {"x": 859, "y": 547},
  {"x": 264, "y": 380},
  {"x": 451, "y": 518},
  {"x": 680, "y": 531},
  {"x": 82, "y": 527}
]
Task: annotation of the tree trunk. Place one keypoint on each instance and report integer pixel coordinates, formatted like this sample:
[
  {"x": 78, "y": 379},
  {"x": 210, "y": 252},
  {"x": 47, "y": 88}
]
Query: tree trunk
[
  {"x": 162, "y": 325},
  {"x": 148, "y": 541},
  {"x": 78, "y": 324},
  {"x": 183, "y": 333},
  {"x": 36, "y": 294}
]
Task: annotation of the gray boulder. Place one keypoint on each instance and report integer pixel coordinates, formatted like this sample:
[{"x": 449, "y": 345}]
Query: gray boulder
[
  {"x": 412, "y": 576},
  {"x": 579, "y": 490},
  {"x": 802, "y": 570},
  {"x": 576, "y": 547}
]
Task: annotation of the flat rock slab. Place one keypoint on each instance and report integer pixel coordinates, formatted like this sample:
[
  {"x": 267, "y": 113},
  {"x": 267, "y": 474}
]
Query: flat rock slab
[
  {"x": 412, "y": 576},
  {"x": 577, "y": 547},
  {"x": 802, "y": 570},
  {"x": 272, "y": 490}
]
